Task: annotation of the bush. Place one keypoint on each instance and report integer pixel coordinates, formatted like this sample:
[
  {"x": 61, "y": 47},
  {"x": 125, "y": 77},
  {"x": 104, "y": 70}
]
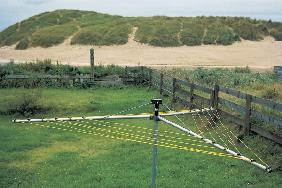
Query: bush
[
  {"x": 192, "y": 34},
  {"x": 270, "y": 93},
  {"x": 23, "y": 44},
  {"x": 277, "y": 35},
  {"x": 211, "y": 35},
  {"x": 27, "y": 103},
  {"x": 226, "y": 36},
  {"x": 246, "y": 70},
  {"x": 248, "y": 31},
  {"x": 225, "y": 77}
]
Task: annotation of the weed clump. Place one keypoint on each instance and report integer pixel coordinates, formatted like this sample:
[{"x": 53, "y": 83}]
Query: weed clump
[
  {"x": 270, "y": 93},
  {"x": 192, "y": 34},
  {"x": 27, "y": 104},
  {"x": 23, "y": 44}
]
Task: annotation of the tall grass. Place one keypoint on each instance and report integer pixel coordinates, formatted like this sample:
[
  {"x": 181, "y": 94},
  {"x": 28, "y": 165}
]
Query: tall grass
[
  {"x": 192, "y": 33},
  {"x": 52, "y": 35},
  {"x": 48, "y": 67},
  {"x": 115, "y": 33},
  {"x": 237, "y": 77},
  {"x": 52, "y": 28}
]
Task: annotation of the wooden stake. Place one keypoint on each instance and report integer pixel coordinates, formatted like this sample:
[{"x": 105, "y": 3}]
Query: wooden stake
[{"x": 92, "y": 63}]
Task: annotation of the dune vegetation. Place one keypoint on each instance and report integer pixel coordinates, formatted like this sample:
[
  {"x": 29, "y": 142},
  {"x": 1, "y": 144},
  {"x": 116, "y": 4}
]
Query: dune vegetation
[{"x": 92, "y": 28}]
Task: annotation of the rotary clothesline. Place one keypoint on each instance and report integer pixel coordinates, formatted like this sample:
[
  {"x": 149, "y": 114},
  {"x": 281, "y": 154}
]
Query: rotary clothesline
[
  {"x": 226, "y": 132},
  {"x": 173, "y": 142}
]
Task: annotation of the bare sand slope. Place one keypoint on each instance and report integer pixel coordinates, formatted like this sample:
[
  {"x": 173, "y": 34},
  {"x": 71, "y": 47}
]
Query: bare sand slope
[{"x": 258, "y": 55}]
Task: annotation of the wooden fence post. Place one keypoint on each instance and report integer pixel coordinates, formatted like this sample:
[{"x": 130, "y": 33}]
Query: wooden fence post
[
  {"x": 74, "y": 79},
  {"x": 214, "y": 97},
  {"x": 81, "y": 78},
  {"x": 161, "y": 83},
  {"x": 247, "y": 123},
  {"x": 192, "y": 95},
  {"x": 142, "y": 75},
  {"x": 126, "y": 71},
  {"x": 214, "y": 100},
  {"x": 92, "y": 63},
  {"x": 150, "y": 78},
  {"x": 174, "y": 85}
]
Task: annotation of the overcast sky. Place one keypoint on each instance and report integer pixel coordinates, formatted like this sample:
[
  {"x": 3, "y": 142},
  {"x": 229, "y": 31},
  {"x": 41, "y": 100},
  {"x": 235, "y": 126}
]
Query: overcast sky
[{"x": 12, "y": 11}]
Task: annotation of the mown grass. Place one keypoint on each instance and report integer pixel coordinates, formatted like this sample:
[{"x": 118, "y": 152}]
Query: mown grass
[
  {"x": 92, "y": 28},
  {"x": 35, "y": 156}
]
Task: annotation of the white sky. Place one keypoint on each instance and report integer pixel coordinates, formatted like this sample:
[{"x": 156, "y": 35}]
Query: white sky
[{"x": 12, "y": 11}]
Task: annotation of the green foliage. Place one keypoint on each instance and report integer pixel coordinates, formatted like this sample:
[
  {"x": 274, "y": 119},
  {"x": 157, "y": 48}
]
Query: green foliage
[
  {"x": 238, "y": 77},
  {"x": 48, "y": 68},
  {"x": 35, "y": 156},
  {"x": 277, "y": 35},
  {"x": 246, "y": 70},
  {"x": 248, "y": 31},
  {"x": 192, "y": 33},
  {"x": 26, "y": 28},
  {"x": 34, "y": 70},
  {"x": 52, "y": 35},
  {"x": 101, "y": 70},
  {"x": 52, "y": 28},
  {"x": 26, "y": 104},
  {"x": 219, "y": 34},
  {"x": 270, "y": 93},
  {"x": 158, "y": 31},
  {"x": 103, "y": 34},
  {"x": 23, "y": 44},
  {"x": 226, "y": 36}
]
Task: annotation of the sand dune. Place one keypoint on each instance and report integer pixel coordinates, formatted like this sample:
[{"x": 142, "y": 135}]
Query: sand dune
[{"x": 258, "y": 55}]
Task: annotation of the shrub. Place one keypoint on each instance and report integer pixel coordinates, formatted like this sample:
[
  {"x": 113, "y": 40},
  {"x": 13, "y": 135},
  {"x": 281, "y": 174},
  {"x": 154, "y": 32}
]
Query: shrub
[
  {"x": 27, "y": 103},
  {"x": 246, "y": 70},
  {"x": 210, "y": 36},
  {"x": 23, "y": 44},
  {"x": 248, "y": 31},
  {"x": 270, "y": 93},
  {"x": 277, "y": 35},
  {"x": 226, "y": 77},
  {"x": 192, "y": 34},
  {"x": 226, "y": 36}
]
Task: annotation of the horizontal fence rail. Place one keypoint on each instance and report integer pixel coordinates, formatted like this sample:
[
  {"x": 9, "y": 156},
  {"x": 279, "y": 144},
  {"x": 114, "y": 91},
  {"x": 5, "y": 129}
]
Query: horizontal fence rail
[
  {"x": 243, "y": 114},
  {"x": 131, "y": 75},
  {"x": 195, "y": 95}
]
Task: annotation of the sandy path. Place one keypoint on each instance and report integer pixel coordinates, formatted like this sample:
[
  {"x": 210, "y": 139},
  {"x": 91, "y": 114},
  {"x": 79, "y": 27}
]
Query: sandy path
[{"x": 258, "y": 55}]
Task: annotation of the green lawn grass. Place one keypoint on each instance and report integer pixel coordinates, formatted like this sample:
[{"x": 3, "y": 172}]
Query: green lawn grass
[{"x": 36, "y": 156}]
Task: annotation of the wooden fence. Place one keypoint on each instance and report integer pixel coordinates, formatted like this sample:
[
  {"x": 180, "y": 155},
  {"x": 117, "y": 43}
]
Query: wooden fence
[
  {"x": 278, "y": 71},
  {"x": 131, "y": 75},
  {"x": 250, "y": 115},
  {"x": 246, "y": 114}
]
